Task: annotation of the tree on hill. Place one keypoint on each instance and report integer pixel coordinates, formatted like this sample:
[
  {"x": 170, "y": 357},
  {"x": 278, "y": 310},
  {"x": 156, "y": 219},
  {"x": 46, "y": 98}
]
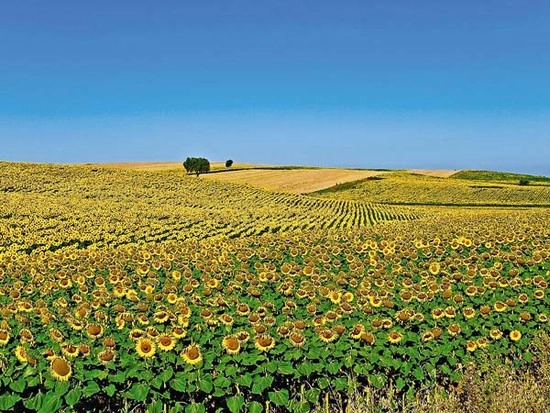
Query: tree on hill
[
  {"x": 229, "y": 163},
  {"x": 196, "y": 165}
]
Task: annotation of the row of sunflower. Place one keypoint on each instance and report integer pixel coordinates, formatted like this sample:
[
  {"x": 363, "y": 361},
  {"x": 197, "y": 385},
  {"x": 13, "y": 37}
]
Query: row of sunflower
[{"x": 278, "y": 318}]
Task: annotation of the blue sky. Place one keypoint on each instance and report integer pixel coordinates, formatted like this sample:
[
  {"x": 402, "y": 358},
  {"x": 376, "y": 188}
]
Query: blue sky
[{"x": 432, "y": 84}]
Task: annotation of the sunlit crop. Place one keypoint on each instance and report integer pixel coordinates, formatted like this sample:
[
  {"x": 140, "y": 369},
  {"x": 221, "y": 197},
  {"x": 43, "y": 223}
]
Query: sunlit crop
[{"x": 125, "y": 311}]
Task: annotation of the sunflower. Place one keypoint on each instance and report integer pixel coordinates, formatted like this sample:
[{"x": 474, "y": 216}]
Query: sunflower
[
  {"x": 161, "y": 317},
  {"x": 264, "y": 342},
  {"x": 539, "y": 294},
  {"x": 136, "y": 334},
  {"x": 192, "y": 354},
  {"x": 471, "y": 345},
  {"x": 56, "y": 335},
  {"x": 166, "y": 342},
  {"x": 427, "y": 336},
  {"x": 178, "y": 332},
  {"x": 145, "y": 348},
  {"x": 243, "y": 336},
  {"x": 434, "y": 268},
  {"x": 515, "y": 335},
  {"x": 468, "y": 312},
  {"x": 84, "y": 349},
  {"x": 500, "y": 306},
  {"x": 60, "y": 369},
  {"x": 109, "y": 342},
  {"x": 454, "y": 329},
  {"x": 482, "y": 342},
  {"x": 231, "y": 344},
  {"x": 243, "y": 309},
  {"x": 69, "y": 350},
  {"x": 495, "y": 334},
  {"x": 327, "y": 335},
  {"x": 21, "y": 354},
  {"x": 226, "y": 319},
  {"x": 297, "y": 339},
  {"x": 543, "y": 318},
  {"x": 106, "y": 356},
  {"x": 395, "y": 337},
  {"x": 4, "y": 337},
  {"x": 368, "y": 337},
  {"x": 357, "y": 331},
  {"x": 49, "y": 354},
  {"x": 94, "y": 330}
]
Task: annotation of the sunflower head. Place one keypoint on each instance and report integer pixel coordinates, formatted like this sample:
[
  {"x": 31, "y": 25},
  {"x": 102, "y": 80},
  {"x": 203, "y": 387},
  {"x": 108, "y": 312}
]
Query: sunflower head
[
  {"x": 515, "y": 335},
  {"x": 231, "y": 344},
  {"x": 166, "y": 342},
  {"x": 192, "y": 354},
  {"x": 106, "y": 356},
  {"x": 145, "y": 348},
  {"x": 60, "y": 369},
  {"x": 264, "y": 342}
]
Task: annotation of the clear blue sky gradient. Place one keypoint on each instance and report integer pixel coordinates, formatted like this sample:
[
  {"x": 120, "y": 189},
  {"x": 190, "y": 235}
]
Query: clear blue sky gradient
[{"x": 398, "y": 84}]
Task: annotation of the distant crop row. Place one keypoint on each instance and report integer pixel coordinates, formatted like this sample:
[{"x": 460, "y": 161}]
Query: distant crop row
[
  {"x": 48, "y": 207},
  {"x": 406, "y": 188}
]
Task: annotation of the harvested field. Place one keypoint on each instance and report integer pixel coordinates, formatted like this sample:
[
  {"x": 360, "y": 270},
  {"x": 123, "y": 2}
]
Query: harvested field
[
  {"x": 436, "y": 173},
  {"x": 297, "y": 181}
]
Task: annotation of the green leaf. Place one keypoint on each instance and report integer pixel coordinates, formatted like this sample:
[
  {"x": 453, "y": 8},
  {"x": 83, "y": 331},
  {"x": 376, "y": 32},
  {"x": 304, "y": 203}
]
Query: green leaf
[
  {"x": 51, "y": 403},
  {"x": 271, "y": 366},
  {"x": 19, "y": 386},
  {"x": 301, "y": 407},
  {"x": 73, "y": 396},
  {"x": 167, "y": 374},
  {"x": 255, "y": 407},
  {"x": 7, "y": 401},
  {"x": 400, "y": 383},
  {"x": 176, "y": 409},
  {"x": 418, "y": 374},
  {"x": 91, "y": 388},
  {"x": 312, "y": 395},
  {"x": 61, "y": 387},
  {"x": 340, "y": 383},
  {"x": 138, "y": 392},
  {"x": 195, "y": 408},
  {"x": 333, "y": 367},
  {"x": 261, "y": 383},
  {"x": 155, "y": 407},
  {"x": 110, "y": 390},
  {"x": 179, "y": 383},
  {"x": 244, "y": 380},
  {"x": 528, "y": 357},
  {"x": 34, "y": 403},
  {"x": 120, "y": 377},
  {"x": 235, "y": 404},
  {"x": 205, "y": 384},
  {"x": 376, "y": 381},
  {"x": 279, "y": 397},
  {"x": 285, "y": 367}
]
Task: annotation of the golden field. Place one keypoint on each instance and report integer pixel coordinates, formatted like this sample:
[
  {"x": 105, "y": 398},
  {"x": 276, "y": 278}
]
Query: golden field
[
  {"x": 141, "y": 290},
  {"x": 406, "y": 188}
]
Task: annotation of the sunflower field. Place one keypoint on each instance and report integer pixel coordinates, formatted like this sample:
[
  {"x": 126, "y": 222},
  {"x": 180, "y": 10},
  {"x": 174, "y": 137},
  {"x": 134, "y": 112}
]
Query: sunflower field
[{"x": 133, "y": 291}]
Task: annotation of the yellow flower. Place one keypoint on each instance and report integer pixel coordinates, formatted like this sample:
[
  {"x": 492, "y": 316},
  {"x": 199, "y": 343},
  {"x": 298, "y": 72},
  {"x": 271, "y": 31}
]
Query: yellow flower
[
  {"x": 395, "y": 337},
  {"x": 166, "y": 342},
  {"x": 192, "y": 354},
  {"x": 60, "y": 369},
  {"x": 231, "y": 344},
  {"x": 21, "y": 354},
  {"x": 106, "y": 356},
  {"x": 515, "y": 335},
  {"x": 264, "y": 342},
  {"x": 495, "y": 334},
  {"x": 145, "y": 348},
  {"x": 471, "y": 345},
  {"x": 4, "y": 337}
]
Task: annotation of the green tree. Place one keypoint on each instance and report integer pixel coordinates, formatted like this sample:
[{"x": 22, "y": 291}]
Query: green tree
[
  {"x": 229, "y": 163},
  {"x": 196, "y": 165}
]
